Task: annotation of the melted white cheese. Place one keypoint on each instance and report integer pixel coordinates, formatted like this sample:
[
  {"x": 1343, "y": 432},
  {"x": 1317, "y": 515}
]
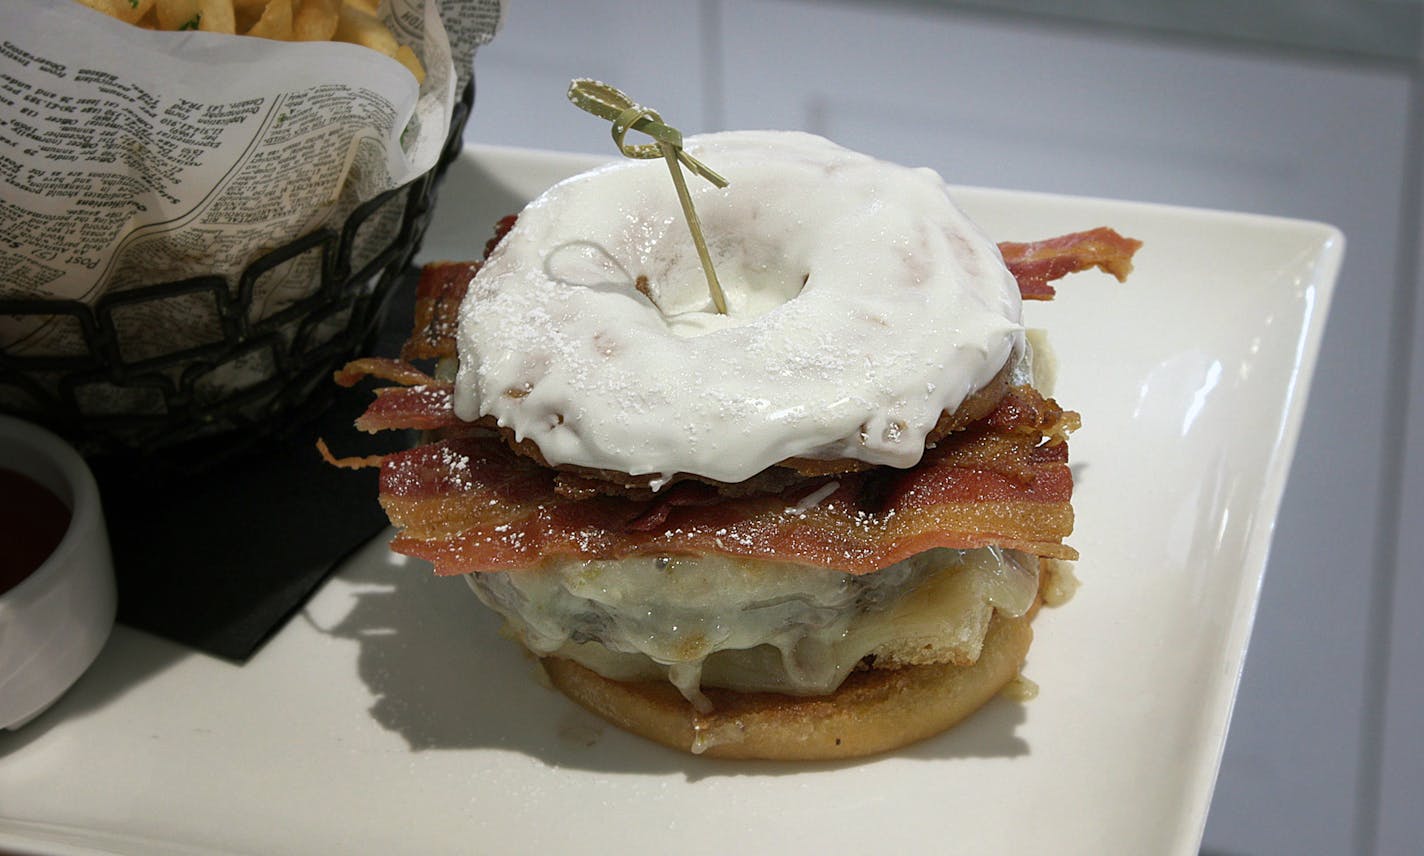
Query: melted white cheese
[{"x": 756, "y": 626}]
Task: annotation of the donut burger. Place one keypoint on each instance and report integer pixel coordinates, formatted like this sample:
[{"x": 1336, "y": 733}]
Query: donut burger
[{"x": 816, "y": 526}]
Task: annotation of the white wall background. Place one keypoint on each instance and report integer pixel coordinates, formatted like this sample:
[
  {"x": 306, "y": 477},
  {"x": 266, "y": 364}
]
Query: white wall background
[{"x": 1323, "y": 755}]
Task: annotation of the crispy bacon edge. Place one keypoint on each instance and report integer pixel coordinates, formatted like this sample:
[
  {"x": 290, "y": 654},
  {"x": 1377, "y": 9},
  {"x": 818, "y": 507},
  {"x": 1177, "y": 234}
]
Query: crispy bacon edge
[{"x": 1037, "y": 263}]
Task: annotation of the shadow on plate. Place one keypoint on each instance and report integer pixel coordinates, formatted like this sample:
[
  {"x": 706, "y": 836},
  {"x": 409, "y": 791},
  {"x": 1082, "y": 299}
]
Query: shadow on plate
[
  {"x": 445, "y": 679},
  {"x": 129, "y": 658}
]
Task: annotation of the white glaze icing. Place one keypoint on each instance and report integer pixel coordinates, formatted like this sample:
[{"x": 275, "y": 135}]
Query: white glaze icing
[{"x": 906, "y": 309}]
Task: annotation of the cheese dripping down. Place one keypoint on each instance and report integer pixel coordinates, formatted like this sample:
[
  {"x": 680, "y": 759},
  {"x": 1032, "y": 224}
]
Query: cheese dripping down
[{"x": 758, "y": 626}]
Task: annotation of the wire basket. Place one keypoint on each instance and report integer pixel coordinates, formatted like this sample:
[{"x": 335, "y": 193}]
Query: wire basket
[{"x": 257, "y": 372}]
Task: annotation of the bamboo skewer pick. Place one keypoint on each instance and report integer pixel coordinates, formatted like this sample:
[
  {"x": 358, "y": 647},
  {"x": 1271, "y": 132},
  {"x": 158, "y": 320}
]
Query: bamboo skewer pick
[{"x": 609, "y": 103}]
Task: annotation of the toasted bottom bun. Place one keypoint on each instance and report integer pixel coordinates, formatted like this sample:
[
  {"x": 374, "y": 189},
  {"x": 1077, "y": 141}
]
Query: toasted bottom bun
[{"x": 873, "y": 711}]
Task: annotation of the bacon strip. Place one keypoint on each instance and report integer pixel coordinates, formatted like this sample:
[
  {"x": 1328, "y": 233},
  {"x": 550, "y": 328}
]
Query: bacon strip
[
  {"x": 500, "y": 230},
  {"x": 437, "y": 301},
  {"x": 470, "y": 504},
  {"x": 384, "y": 368},
  {"x": 352, "y": 462},
  {"x": 423, "y": 403},
  {"x": 1038, "y": 263},
  {"x": 438, "y": 295},
  {"x": 427, "y": 407}
]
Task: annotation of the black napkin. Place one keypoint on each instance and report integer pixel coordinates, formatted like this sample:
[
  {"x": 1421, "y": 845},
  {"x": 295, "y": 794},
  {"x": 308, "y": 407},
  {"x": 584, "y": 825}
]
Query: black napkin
[{"x": 219, "y": 557}]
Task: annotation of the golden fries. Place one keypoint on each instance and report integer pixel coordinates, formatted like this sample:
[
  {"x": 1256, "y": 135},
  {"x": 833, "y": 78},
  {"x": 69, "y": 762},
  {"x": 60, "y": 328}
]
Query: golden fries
[
  {"x": 216, "y": 16},
  {"x": 316, "y": 21},
  {"x": 406, "y": 57},
  {"x": 363, "y": 28},
  {"x": 129, "y": 11},
  {"x": 360, "y": 27},
  {"x": 275, "y": 21},
  {"x": 353, "y": 21},
  {"x": 177, "y": 14}
]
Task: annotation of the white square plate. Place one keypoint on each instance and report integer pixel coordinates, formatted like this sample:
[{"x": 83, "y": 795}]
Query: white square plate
[{"x": 391, "y": 717}]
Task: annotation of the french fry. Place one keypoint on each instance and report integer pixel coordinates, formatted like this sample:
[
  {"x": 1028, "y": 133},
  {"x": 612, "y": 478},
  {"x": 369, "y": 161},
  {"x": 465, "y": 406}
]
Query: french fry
[
  {"x": 248, "y": 13},
  {"x": 105, "y": 6},
  {"x": 316, "y": 20},
  {"x": 216, "y": 16},
  {"x": 363, "y": 28},
  {"x": 408, "y": 59},
  {"x": 131, "y": 11},
  {"x": 276, "y": 21},
  {"x": 370, "y": 7},
  {"x": 177, "y": 14},
  {"x": 128, "y": 11},
  {"x": 138, "y": 9}
]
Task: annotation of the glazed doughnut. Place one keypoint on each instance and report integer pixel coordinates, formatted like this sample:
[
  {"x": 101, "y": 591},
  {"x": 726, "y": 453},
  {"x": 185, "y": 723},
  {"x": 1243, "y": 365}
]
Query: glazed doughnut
[{"x": 589, "y": 331}]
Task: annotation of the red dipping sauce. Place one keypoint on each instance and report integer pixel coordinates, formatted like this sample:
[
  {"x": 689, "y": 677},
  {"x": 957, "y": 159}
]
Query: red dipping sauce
[{"x": 32, "y": 523}]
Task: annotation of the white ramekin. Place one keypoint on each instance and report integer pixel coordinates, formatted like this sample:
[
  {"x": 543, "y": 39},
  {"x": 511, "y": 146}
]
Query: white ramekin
[{"x": 54, "y": 623}]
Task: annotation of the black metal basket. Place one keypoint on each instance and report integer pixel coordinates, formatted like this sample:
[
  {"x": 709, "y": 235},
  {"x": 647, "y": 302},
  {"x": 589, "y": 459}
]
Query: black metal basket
[{"x": 118, "y": 398}]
